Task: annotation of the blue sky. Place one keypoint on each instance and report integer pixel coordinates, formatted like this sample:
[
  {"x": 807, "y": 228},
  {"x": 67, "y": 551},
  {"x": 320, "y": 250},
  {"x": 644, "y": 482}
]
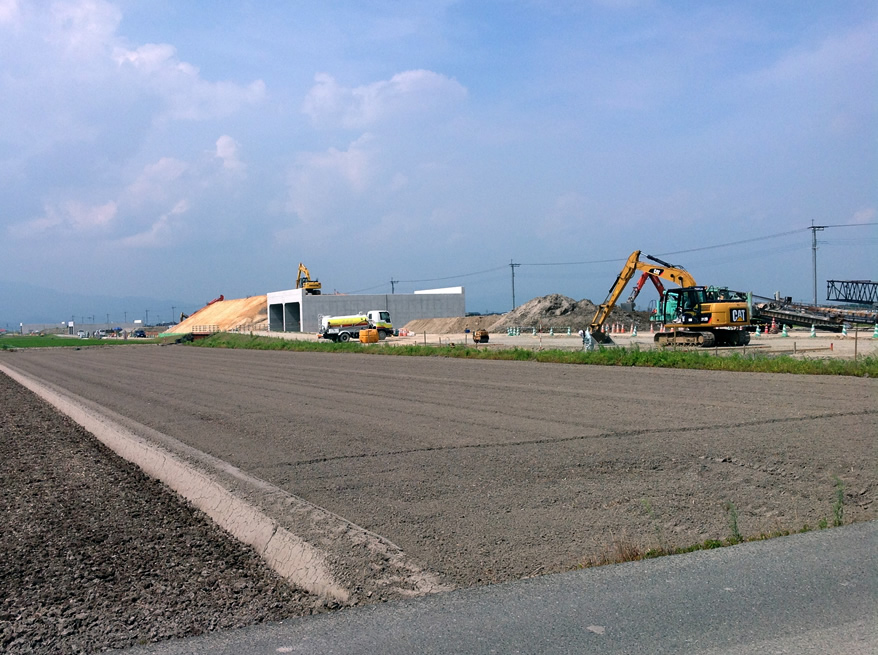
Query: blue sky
[{"x": 186, "y": 149}]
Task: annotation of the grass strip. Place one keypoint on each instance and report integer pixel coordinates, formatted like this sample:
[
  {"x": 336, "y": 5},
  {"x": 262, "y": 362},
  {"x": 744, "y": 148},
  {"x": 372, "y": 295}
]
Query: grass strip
[
  {"x": 749, "y": 362},
  {"x": 13, "y": 342}
]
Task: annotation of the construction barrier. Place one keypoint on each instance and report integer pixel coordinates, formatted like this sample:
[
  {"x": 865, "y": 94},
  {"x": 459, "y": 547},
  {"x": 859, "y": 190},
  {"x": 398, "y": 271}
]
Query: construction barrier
[
  {"x": 205, "y": 329},
  {"x": 368, "y": 336}
]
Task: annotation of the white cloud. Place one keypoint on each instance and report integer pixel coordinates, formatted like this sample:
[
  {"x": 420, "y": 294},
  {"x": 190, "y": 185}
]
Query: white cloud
[
  {"x": 186, "y": 94},
  {"x": 227, "y": 151},
  {"x": 9, "y": 11},
  {"x": 321, "y": 182},
  {"x": 156, "y": 182},
  {"x": 85, "y": 28},
  {"x": 74, "y": 77},
  {"x": 67, "y": 217},
  {"x": 406, "y": 93},
  {"x": 161, "y": 233},
  {"x": 853, "y": 51}
]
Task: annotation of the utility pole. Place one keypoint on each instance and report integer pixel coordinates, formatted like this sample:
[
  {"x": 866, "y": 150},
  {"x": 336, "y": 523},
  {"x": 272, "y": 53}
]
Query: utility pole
[
  {"x": 814, "y": 229},
  {"x": 173, "y": 313},
  {"x": 147, "y": 318},
  {"x": 513, "y": 267},
  {"x": 393, "y": 284},
  {"x": 126, "y": 317}
]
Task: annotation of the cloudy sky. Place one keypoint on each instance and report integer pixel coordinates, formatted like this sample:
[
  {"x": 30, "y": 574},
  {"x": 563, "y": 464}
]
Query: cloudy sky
[{"x": 186, "y": 149}]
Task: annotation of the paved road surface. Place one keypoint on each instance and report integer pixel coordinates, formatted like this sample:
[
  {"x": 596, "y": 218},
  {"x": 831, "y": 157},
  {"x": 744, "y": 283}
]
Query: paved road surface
[{"x": 807, "y": 594}]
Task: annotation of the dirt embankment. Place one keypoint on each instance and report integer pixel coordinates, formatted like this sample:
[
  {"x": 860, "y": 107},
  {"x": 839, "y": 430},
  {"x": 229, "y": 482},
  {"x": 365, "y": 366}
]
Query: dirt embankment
[{"x": 227, "y": 315}]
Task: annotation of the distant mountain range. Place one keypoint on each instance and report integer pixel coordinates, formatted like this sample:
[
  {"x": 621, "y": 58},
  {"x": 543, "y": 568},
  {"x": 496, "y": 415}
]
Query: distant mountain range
[{"x": 29, "y": 304}]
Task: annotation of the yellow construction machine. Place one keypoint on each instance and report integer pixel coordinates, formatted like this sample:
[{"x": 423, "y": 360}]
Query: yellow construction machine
[
  {"x": 304, "y": 281},
  {"x": 689, "y": 316},
  {"x": 481, "y": 336}
]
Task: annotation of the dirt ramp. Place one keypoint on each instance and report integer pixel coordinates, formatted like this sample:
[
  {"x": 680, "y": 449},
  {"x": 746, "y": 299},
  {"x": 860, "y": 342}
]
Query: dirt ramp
[{"x": 228, "y": 315}]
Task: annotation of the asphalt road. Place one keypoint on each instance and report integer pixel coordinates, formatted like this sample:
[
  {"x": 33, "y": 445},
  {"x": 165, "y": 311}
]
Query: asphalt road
[
  {"x": 807, "y": 594},
  {"x": 487, "y": 471}
]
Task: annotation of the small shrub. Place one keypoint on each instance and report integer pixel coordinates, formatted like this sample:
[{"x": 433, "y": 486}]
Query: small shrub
[{"x": 736, "y": 537}]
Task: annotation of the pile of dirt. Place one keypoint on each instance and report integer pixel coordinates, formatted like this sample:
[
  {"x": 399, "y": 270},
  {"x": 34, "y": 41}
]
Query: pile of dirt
[
  {"x": 457, "y": 325},
  {"x": 557, "y": 311},
  {"x": 552, "y": 311},
  {"x": 228, "y": 315}
]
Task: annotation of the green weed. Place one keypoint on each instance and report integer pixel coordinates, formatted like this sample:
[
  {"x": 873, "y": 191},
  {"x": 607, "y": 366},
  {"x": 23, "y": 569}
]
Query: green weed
[
  {"x": 732, "y": 511},
  {"x": 626, "y": 551},
  {"x": 838, "y": 505}
]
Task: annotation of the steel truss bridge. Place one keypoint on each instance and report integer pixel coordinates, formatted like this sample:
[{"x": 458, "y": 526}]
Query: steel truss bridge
[{"x": 859, "y": 292}]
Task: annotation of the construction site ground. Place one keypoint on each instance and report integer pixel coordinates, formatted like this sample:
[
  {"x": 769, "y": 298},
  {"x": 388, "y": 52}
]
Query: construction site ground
[
  {"x": 799, "y": 343},
  {"x": 480, "y": 471},
  {"x": 546, "y": 322}
]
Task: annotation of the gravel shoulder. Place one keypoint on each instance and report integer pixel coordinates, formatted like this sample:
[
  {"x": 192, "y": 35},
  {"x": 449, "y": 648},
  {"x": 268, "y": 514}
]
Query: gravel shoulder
[{"x": 481, "y": 471}]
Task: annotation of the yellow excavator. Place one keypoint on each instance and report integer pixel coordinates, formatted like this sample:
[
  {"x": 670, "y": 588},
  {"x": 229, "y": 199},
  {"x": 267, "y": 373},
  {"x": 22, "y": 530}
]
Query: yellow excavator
[
  {"x": 689, "y": 316},
  {"x": 304, "y": 281}
]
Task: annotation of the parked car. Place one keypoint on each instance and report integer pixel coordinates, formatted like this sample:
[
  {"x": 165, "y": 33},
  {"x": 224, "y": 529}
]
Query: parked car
[
  {"x": 140, "y": 334},
  {"x": 82, "y": 334}
]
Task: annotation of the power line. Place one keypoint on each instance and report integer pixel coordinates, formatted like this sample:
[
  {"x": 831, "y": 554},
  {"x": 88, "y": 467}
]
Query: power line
[
  {"x": 619, "y": 259},
  {"x": 677, "y": 252},
  {"x": 377, "y": 286},
  {"x": 848, "y": 225},
  {"x": 735, "y": 243}
]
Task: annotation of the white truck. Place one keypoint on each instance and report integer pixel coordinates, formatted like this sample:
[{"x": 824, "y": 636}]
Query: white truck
[{"x": 345, "y": 328}]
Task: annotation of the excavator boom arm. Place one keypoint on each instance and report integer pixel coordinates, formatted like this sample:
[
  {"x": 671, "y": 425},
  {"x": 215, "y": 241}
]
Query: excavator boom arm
[
  {"x": 673, "y": 273},
  {"x": 304, "y": 276}
]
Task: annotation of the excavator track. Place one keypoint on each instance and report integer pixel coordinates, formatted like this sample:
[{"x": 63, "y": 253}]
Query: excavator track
[
  {"x": 686, "y": 338},
  {"x": 703, "y": 338}
]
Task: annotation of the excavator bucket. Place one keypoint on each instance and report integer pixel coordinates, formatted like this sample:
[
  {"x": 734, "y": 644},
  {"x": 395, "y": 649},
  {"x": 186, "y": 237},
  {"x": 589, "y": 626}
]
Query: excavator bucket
[{"x": 602, "y": 337}]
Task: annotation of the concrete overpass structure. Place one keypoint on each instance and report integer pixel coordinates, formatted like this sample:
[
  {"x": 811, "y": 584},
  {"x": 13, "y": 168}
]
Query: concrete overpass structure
[{"x": 296, "y": 311}]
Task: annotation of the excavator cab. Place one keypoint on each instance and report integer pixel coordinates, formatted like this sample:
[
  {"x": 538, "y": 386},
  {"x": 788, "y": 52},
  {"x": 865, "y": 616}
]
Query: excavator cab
[{"x": 683, "y": 305}]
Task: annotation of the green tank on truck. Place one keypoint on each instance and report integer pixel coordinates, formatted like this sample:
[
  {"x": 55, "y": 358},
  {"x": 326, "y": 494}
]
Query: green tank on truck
[{"x": 345, "y": 328}]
